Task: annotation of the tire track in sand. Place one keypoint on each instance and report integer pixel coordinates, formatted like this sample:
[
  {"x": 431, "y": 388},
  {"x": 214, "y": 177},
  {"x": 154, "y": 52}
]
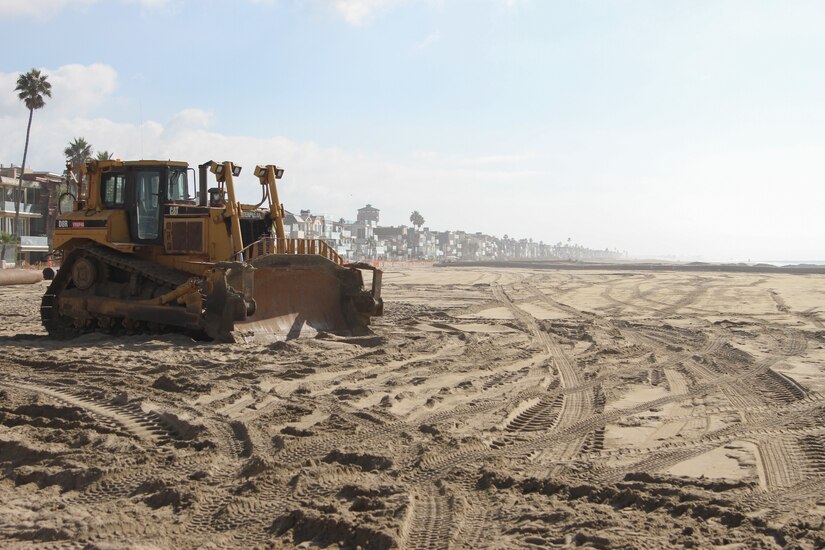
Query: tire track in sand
[
  {"x": 143, "y": 426},
  {"x": 430, "y": 519}
]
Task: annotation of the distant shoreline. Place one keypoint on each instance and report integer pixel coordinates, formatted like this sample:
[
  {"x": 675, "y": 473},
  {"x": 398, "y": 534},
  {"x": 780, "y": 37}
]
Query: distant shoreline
[{"x": 802, "y": 269}]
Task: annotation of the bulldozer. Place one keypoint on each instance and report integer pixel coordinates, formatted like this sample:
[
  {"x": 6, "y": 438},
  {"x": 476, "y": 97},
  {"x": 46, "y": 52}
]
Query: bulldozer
[{"x": 140, "y": 253}]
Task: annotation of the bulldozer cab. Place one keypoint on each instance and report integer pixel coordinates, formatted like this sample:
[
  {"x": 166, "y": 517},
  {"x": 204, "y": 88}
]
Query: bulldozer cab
[
  {"x": 143, "y": 192},
  {"x": 137, "y": 190},
  {"x": 152, "y": 209}
]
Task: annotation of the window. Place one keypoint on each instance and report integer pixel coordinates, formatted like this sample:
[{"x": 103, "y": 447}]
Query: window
[
  {"x": 177, "y": 189},
  {"x": 148, "y": 211},
  {"x": 114, "y": 190},
  {"x": 38, "y": 226}
]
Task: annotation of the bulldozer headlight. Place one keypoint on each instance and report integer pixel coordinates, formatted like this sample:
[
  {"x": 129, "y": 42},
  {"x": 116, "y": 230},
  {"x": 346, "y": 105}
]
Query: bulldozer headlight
[
  {"x": 236, "y": 171},
  {"x": 259, "y": 171},
  {"x": 279, "y": 173},
  {"x": 219, "y": 168}
]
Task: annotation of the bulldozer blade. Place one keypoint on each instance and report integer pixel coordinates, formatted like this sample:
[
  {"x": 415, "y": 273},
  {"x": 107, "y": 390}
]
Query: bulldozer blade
[{"x": 298, "y": 297}]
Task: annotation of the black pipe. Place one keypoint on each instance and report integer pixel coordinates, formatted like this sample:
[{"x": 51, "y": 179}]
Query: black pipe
[{"x": 203, "y": 200}]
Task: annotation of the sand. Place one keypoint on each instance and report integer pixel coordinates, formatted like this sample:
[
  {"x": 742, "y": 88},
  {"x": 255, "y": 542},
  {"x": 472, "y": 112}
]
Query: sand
[{"x": 493, "y": 408}]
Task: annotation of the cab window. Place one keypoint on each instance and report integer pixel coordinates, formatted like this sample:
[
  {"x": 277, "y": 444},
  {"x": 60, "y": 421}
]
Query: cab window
[
  {"x": 147, "y": 185},
  {"x": 113, "y": 190},
  {"x": 177, "y": 190}
]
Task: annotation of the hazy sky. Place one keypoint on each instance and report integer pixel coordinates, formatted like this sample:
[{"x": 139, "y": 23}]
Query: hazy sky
[{"x": 690, "y": 128}]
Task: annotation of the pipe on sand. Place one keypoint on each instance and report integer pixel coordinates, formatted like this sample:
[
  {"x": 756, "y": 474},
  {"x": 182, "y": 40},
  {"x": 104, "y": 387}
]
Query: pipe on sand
[{"x": 19, "y": 276}]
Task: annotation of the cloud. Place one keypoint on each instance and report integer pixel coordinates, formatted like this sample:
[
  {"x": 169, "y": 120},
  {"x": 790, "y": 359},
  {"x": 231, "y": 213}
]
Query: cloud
[
  {"x": 149, "y": 3},
  {"x": 38, "y": 8},
  {"x": 429, "y": 40},
  {"x": 357, "y": 12},
  {"x": 76, "y": 89},
  {"x": 187, "y": 120},
  {"x": 50, "y": 8}
]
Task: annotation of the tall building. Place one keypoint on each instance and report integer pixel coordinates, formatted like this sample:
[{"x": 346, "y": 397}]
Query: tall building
[{"x": 368, "y": 214}]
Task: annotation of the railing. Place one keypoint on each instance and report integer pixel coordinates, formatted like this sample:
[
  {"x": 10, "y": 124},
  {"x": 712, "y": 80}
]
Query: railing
[
  {"x": 25, "y": 207},
  {"x": 37, "y": 242},
  {"x": 268, "y": 245}
]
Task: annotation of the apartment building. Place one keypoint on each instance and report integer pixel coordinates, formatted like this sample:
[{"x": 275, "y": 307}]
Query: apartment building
[{"x": 37, "y": 211}]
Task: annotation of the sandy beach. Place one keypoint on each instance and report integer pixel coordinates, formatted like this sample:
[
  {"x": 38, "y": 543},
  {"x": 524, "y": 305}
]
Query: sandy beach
[{"x": 492, "y": 408}]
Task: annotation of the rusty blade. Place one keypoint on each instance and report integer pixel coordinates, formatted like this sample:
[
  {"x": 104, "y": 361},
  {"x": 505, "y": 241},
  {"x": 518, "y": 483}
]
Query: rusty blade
[{"x": 293, "y": 302}]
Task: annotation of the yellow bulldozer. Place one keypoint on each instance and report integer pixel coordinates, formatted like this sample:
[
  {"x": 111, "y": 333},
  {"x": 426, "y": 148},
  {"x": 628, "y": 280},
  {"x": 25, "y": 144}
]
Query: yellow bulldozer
[{"x": 140, "y": 253}]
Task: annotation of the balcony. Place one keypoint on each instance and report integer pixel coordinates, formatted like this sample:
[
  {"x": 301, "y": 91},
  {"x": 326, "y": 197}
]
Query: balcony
[
  {"x": 25, "y": 209},
  {"x": 34, "y": 244}
]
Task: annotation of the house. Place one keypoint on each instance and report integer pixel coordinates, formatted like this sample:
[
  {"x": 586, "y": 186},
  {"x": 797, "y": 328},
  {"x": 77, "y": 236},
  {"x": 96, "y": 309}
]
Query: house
[
  {"x": 393, "y": 240},
  {"x": 38, "y": 211},
  {"x": 422, "y": 244},
  {"x": 368, "y": 214},
  {"x": 295, "y": 226}
]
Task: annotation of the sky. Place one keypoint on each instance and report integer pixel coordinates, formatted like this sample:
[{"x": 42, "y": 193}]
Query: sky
[{"x": 678, "y": 129}]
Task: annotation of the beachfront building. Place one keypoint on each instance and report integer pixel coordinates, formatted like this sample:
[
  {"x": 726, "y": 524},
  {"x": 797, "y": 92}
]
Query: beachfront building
[
  {"x": 37, "y": 212},
  {"x": 394, "y": 242},
  {"x": 368, "y": 214},
  {"x": 365, "y": 240}
]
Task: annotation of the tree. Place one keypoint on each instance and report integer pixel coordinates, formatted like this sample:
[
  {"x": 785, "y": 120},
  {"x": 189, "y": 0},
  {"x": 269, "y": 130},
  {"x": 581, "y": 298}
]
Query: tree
[
  {"x": 5, "y": 239},
  {"x": 31, "y": 88},
  {"x": 417, "y": 219},
  {"x": 78, "y": 151},
  {"x": 105, "y": 155}
]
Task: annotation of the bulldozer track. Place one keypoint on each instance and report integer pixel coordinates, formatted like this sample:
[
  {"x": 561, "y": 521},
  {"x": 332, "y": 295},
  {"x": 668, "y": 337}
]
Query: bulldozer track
[
  {"x": 608, "y": 295},
  {"x": 552, "y": 302},
  {"x": 430, "y": 524},
  {"x": 691, "y": 297},
  {"x": 322, "y": 444},
  {"x": 473, "y": 523},
  {"x": 776, "y": 463},
  {"x": 156, "y": 273},
  {"x": 775, "y": 502},
  {"x": 224, "y": 512},
  {"x": 575, "y": 432},
  {"x": 542, "y": 416},
  {"x": 143, "y": 426},
  {"x": 793, "y": 343},
  {"x": 780, "y": 465},
  {"x": 575, "y": 405}
]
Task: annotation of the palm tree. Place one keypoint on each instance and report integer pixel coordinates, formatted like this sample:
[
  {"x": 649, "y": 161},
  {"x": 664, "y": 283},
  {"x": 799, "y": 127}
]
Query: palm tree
[
  {"x": 416, "y": 219},
  {"x": 5, "y": 239},
  {"x": 31, "y": 89},
  {"x": 105, "y": 155},
  {"x": 78, "y": 151}
]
